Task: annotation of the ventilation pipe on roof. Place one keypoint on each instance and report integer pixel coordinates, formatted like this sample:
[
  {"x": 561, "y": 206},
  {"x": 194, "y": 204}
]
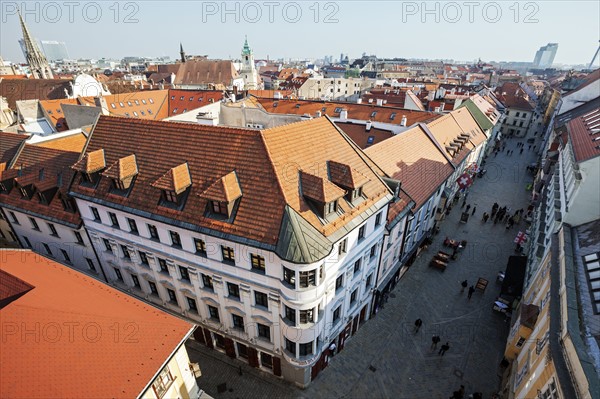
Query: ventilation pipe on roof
[
  {"x": 379, "y": 102},
  {"x": 343, "y": 114},
  {"x": 403, "y": 121},
  {"x": 359, "y": 100},
  {"x": 370, "y": 101},
  {"x": 368, "y": 126}
]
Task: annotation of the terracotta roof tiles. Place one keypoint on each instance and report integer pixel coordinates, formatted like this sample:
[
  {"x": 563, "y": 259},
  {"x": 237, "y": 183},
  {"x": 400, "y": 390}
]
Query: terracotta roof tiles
[
  {"x": 92, "y": 162},
  {"x": 225, "y": 189},
  {"x": 346, "y": 176},
  {"x": 319, "y": 189},
  {"x": 10, "y": 143},
  {"x": 584, "y": 133},
  {"x": 177, "y": 179},
  {"x": 122, "y": 169}
]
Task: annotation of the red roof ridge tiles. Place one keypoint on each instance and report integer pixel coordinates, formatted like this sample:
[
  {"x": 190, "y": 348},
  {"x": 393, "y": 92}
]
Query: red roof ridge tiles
[{"x": 225, "y": 189}]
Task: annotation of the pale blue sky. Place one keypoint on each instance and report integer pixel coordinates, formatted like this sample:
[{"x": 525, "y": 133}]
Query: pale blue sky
[{"x": 294, "y": 29}]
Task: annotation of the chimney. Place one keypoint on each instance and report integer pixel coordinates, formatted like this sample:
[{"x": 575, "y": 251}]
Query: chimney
[
  {"x": 368, "y": 126},
  {"x": 318, "y": 114},
  {"x": 343, "y": 114},
  {"x": 403, "y": 121},
  {"x": 101, "y": 102},
  {"x": 379, "y": 102},
  {"x": 370, "y": 101},
  {"x": 359, "y": 100}
]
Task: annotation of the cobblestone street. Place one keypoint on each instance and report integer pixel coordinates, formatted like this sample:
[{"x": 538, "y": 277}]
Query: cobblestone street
[{"x": 386, "y": 359}]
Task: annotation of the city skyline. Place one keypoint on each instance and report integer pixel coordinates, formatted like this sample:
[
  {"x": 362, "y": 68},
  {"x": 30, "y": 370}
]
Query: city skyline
[{"x": 121, "y": 30}]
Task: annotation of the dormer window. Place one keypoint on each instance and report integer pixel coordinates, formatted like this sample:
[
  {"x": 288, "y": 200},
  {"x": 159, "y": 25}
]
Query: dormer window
[
  {"x": 42, "y": 199},
  {"x": 349, "y": 179},
  {"x": 331, "y": 207},
  {"x": 321, "y": 194},
  {"x": 25, "y": 193},
  {"x": 122, "y": 173},
  {"x": 223, "y": 196},
  {"x": 90, "y": 167},
  {"x": 175, "y": 186}
]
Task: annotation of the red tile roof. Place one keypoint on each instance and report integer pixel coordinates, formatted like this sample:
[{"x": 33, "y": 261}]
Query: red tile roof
[
  {"x": 219, "y": 73},
  {"x": 363, "y": 112},
  {"x": 413, "y": 159},
  {"x": 10, "y": 143},
  {"x": 225, "y": 189},
  {"x": 181, "y": 101},
  {"x": 33, "y": 89},
  {"x": 513, "y": 96},
  {"x": 361, "y": 136},
  {"x": 266, "y": 161},
  {"x": 92, "y": 340},
  {"x": 584, "y": 133}
]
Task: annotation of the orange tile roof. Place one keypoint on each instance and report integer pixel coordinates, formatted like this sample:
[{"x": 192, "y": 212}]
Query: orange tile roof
[
  {"x": 319, "y": 189},
  {"x": 226, "y": 189},
  {"x": 73, "y": 142},
  {"x": 90, "y": 340},
  {"x": 205, "y": 72},
  {"x": 446, "y": 132},
  {"x": 363, "y": 112},
  {"x": 177, "y": 179},
  {"x": 92, "y": 162},
  {"x": 413, "y": 159},
  {"x": 361, "y": 136},
  {"x": 146, "y": 104},
  {"x": 53, "y": 109},
  {"x": 122, "y": 169},
  {"x": 584, "y": 133},
  {"x": 266, "y": 161},
  {"x": 468, "y": 125}
]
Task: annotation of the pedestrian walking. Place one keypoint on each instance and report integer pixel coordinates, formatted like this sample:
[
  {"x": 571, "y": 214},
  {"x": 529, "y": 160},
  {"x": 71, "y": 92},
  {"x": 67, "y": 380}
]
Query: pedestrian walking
[
  {"x": 418, "y": 324},
  {"x": 434, "y": 341},
  {"x": 485, "y": 217},
  {"x": 520, "y": 152},
  {"x": 534, "y": 147},
  {"x": 471, "y": 291},
  {"x": 464, "y": 285},
  {"x": 529, "y": 149},
  {"x": 444, "y": 348},
  {"x": 332, "y": 349},
  {"x": 464, "y": 202},
  {"x": 468, "y": 207},
  {"x": 474, "y": 209}
]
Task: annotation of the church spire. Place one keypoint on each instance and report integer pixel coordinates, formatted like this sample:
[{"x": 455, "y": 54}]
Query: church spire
[
  {"x": 38, "y": 64},
  {"x": 181, "y": 52}
]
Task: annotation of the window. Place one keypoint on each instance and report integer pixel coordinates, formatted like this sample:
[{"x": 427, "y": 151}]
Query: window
[
  {"x": 242, "y": 350},
  {"x": 34, "y": 224},
  {"x": 114, "y": 220},
  {"x": 65, "y": 256},
  {"x": 90, "y": 264},
  {"x": 289, "y": 276},
  {"x": 373, "y": 114},
  {"x": 306, "y": 349},
  {"x": 107, "y": 245},
  {"x": 175, "y": 239},
  {"x": 153, "y": 232},
  {"x": 228, "y": 254},
  {"x": 306, "y": 316},
  {"x": 258, "y": 263},
  {"x": 136, "y": 281},
  {"x": 373, "y": 251},
  {"x": 353, "y": 296},
  {"x": 68, "y": 204},
  {"x": 266, "y": 360},
  {"x": 132, "y": 226},
  {"x": 192, "y": 304},
  {"x": 53, "y": 231},
  {"x": 368, "y": 282},
  {"x": 163, "y": 266},
  {"x": 143, "y": 258},
  {"x": 233, "y": 290},
  {"x": 172, "y": 296},
  {"x": 163, "y": 381},
  {"x": 261, "y": 299},
  {"x": 129, "y": 103},
  {"x": 27, "y": 242},
  {"x": 153, "y": 289},
  {"x": 361, "y": 232},
  {"x": 118, "y": 273},
  {"x": 238, "y": 322},
  {"x": 290, "y": 315},
  {"x": 185, "y": 274},
  {"x": 13, "y": 217},
  {"x": 357, "y": 266},
  {"x": 342, "y": 248},
  {"x": 151, "y": 101},
  {"x": 336, "y": 313},
  {"x": 207, "y": 282},
  {"x": 125, "y": 251},
  {"x": 220, "y": 341},
  {"x": 264, "y": 331},
  {"x": 78, "y": 237},
  {"x": 331, "y": 207},
  {"x": 520, "y": 342},
  {"x": 378, "y": 219},
  {"x": 200, "y": 246},
  {"x": 339, "y": 282},
  {"x": 290, "y": 346},
  {"x": 213, "y": 313},
  {"x": 308, "y": 278},
  {"x": 220, "y": 208},
  {"x": 392, "y": 116},
  {"x": 96, "y": 214}
]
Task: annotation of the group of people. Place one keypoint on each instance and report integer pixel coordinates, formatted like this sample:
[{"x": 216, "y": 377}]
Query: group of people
[
  {"x": 502, "y": 214},
  {"x": 520, "y": 146},
  {"x": 435, "y": 339}
]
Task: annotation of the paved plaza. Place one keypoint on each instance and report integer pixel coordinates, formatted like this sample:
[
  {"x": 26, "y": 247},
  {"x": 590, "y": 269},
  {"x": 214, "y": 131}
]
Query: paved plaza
[{"x": 386, "y": 359}]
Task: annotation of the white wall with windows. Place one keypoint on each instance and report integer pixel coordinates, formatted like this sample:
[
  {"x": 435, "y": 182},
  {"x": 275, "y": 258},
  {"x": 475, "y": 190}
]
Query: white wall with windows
[
  {"x": 7, "y": 237},
  {"x": 245, "y": 293}
]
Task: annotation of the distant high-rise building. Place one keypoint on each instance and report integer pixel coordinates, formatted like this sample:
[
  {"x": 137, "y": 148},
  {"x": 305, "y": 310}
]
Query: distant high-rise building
[
  {"x": 544, "y": 57},
  {"x": 53, "y": 50}
]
